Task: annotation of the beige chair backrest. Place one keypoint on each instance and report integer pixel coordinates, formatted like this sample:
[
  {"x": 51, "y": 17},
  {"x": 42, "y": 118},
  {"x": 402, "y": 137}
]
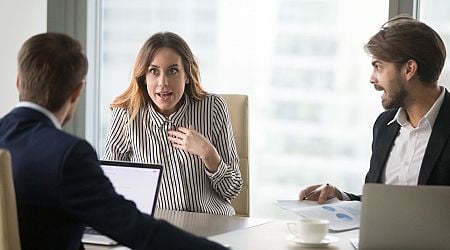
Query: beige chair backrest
[
  {"x": 238, "y": 109},
  {"x": 9, "y": 229}
]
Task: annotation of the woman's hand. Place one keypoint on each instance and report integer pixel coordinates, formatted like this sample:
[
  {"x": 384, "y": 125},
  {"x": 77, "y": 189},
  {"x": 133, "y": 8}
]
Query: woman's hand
[{"x": 195, "y": 143}]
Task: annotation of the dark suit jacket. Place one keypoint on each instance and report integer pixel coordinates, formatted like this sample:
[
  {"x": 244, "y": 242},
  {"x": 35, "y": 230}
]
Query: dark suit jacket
[
  {"x": 60, "y": 188},
  {"x": 435, "y": 168}
]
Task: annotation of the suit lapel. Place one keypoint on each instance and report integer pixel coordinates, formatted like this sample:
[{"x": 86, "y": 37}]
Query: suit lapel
[
  {"x": 384, "y": 148},
  {"x": 438, "y": 139}
]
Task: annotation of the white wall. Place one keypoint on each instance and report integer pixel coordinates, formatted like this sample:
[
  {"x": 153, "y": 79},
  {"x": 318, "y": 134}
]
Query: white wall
[{"x": 19, "y": 19}]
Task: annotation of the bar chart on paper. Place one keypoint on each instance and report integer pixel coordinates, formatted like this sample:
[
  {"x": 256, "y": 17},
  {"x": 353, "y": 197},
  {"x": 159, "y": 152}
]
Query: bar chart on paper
[{"x": 343, "y": 215}]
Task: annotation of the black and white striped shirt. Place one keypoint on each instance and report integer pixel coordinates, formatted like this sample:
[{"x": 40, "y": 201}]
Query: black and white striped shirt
[{"x": 186, "y": 183}]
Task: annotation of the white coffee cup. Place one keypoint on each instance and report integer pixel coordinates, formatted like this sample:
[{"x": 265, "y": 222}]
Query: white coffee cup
[{"x": 309, "y": 230}]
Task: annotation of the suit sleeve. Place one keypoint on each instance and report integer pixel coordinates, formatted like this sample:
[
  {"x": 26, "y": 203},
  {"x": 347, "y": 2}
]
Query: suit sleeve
[
  {"x": 354, "y": 197},
  {"x": 227, "y": 181},
  {"x": 383, "y": 118},
  {"x": 88, "y": 195},
  {"x": 379, "y": 130}
]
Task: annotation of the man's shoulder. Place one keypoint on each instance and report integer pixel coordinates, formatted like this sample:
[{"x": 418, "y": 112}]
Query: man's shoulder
[
  {"x": 69, "y": 138},
  {"x": 55, "y": 134},
  {"x": 29, "y": 126},
  {"x": 71, "y": 142}
]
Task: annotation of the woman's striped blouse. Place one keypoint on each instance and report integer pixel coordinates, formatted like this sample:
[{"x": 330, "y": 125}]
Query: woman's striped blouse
[{"x": 186, "y": 183}]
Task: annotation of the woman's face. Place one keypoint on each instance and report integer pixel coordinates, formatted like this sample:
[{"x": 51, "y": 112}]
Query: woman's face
[{"x": 166, "y": 81}]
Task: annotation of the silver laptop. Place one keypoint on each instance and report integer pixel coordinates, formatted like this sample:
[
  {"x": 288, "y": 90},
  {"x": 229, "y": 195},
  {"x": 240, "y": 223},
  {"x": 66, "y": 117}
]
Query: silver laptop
[
  {"x": 405, "y": 217},
  {"x": 137, "y": 182}
]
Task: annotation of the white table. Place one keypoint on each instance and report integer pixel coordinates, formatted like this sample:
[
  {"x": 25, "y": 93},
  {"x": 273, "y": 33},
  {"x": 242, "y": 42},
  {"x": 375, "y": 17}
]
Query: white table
[
  {"x": 240, "y": 233},
  {"x": 273, "y": 236},
  {"x": 206, "y": 225},
  {"x": 200, "y": 224}
]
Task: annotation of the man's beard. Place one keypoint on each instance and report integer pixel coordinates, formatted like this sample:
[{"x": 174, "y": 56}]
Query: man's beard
[{"x": 397, "y": 96}]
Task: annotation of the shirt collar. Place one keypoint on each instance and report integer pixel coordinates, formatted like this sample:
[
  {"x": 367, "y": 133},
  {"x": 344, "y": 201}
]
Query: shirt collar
[
  {"x": 42, "y": 110},
  {"x": 159, "y": 119},
  {"x": 401, "y": 118}
]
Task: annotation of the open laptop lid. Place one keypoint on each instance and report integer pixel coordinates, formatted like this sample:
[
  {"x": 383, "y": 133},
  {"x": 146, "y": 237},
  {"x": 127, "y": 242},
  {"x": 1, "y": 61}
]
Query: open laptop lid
[
  {"x": 138, "y": 182},
  {"x": 405, "y": 217}
]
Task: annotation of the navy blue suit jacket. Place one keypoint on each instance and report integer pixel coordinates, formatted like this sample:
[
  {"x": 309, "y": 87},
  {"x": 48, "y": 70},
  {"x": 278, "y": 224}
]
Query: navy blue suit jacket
[
  {"x": 60, "y": 188},
  {"x": 435, "y": 168}
]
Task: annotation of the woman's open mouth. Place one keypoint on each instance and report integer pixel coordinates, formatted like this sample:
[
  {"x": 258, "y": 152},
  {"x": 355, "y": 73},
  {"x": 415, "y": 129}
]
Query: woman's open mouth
[{"x": 164, "y": 95}]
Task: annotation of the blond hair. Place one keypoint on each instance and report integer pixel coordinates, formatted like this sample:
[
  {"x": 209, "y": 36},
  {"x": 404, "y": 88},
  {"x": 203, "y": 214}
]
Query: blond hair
[{"x": 136, "y": 96}]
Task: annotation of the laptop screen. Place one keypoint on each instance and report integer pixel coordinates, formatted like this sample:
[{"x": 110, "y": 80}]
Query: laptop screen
[{"x": 137, "y": 182}]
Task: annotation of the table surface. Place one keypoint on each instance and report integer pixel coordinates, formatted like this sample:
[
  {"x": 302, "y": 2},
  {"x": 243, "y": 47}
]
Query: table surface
[
  {"x": 275, "y": 235},
  {"x": 206, "y": 225},
  {"x": 239, "y": 232}
]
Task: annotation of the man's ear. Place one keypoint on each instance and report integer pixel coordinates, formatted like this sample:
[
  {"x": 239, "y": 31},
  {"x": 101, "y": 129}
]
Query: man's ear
[
  {"x": 18, "y": 83},
  {"x": 411, "y": 68},
  {"x": 76, "y": 93}
]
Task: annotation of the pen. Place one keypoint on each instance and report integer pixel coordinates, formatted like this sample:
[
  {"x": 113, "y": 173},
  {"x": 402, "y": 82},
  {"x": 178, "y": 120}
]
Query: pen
[{"x": 315, "y": 191}]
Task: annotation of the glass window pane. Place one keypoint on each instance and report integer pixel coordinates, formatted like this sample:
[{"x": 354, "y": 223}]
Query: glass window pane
[
  {"x": 302, "y": 64},
  {"x": 436, "y": 14}
]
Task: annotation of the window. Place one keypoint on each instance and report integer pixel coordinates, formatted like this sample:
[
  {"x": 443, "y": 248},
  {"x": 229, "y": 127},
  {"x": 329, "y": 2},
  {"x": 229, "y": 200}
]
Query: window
[
  {"x": 437, "y": 15},
  {"x": 301, "y": 62}
]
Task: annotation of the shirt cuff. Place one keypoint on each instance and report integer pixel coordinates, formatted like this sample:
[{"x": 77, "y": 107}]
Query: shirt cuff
[
  {"x": 219, "y": 174},
  {"x": 345, "y": 196}
]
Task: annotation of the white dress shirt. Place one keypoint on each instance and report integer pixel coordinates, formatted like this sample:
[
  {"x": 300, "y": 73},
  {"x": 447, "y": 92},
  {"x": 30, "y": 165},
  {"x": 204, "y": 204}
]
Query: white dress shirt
[
  {"x": 186, "y": 183},
  {"x": 41, "y": 109},
  {"x": 405, "y": 158}
]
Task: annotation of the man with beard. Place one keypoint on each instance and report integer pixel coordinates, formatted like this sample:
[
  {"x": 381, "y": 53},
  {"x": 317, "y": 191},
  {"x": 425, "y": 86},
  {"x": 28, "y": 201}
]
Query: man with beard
[{"x": 411, "y": 138}]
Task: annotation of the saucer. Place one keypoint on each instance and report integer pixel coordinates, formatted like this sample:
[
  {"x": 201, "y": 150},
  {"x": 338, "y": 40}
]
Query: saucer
[{"x": 327, "y": 240}]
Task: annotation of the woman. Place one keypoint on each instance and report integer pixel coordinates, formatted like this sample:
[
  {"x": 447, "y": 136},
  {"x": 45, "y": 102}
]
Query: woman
[{"x": 166, "y": 117}]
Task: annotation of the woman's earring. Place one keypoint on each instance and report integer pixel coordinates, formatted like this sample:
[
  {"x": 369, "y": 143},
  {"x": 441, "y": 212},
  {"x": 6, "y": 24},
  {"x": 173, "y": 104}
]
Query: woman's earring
[{"x": 187, "y": 81}]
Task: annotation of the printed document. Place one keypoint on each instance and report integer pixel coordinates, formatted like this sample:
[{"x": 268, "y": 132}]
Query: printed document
[{"x": 343, "y": 215}]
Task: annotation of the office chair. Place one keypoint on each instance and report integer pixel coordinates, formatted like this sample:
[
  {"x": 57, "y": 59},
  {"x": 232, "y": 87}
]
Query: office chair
[
  {"x": 238, "y": 109},
  {"x": 9, "y": 229}
]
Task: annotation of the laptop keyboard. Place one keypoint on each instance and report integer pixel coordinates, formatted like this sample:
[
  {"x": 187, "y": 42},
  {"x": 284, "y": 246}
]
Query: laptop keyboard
[
  {"x": 91, "y": 236},
  {"x": 91, "y": 231}
]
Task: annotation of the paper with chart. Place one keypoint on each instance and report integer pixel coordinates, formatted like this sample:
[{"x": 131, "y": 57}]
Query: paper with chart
[{"x": 343, "y": 215}]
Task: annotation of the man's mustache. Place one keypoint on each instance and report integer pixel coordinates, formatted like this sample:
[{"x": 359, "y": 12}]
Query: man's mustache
[{"x": 378, "y": 87}]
